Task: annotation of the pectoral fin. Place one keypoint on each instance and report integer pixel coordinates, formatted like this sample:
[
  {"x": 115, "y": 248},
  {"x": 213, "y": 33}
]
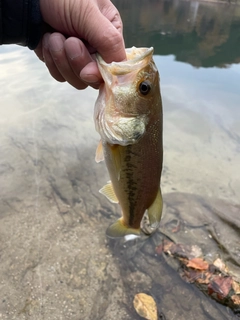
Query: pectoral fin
[
  {"x": 109, "y": 193},
  {"x": 118, "y": 229},
  {"x": 99, "y": 153},
  {"x": 155, "y": 211}
]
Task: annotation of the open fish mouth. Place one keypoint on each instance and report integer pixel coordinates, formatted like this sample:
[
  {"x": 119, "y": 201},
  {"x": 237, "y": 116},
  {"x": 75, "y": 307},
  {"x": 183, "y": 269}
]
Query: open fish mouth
[{"x": 136, "y": 59}]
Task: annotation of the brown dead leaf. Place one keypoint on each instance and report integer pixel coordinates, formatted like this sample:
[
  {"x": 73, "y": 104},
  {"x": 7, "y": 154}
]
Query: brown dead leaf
[
  {"x": 168, "y": 245},
  {"x": 196, "y": 276},
  {"x": 198, "y": 263},
  {"x": 221, "y": 286},
  {"x": 236, "y": 299},
  {"x": 205, "y": 278},
  {"x": 164, "y": 247},
  {"x": 176, "y": 228},
  {"x": 220, "y": 265},
  {"x": 236, "y": 287},
  {"x": 190, "y": 275},
  {"x": 145, "y": 306},
  {"x": 159, "y": 249},
  {"x": 177, "y": 249}
]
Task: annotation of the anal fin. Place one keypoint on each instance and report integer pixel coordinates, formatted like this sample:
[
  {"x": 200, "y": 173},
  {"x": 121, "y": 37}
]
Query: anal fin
[
  {"x": 155, "y": 211},
  {"x": 109, "y": 193}
]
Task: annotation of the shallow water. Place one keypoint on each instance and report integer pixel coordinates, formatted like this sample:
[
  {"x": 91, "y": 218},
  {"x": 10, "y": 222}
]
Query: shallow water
[{"x": 56, "y": 262}]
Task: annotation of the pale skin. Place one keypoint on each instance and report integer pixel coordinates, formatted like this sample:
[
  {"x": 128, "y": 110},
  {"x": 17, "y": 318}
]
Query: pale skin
[{"x": 80, "y": 29}]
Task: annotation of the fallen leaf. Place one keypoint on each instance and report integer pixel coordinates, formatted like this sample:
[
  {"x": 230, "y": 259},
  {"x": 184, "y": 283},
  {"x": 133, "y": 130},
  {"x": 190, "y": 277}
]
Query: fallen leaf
[
  {"x": 176, "y": 228},
  {"x": 198, "y": 263},
  {"x": 168, "y": 245},
  {"x": 221, "y": 286},
  {"x": 196, "y": 276},
  {"x": 236, "y": 299},
  {"x": 236, "y": 287},
  {"x": 191, "y": 275},
  {"x": 205, "y": 279},
  {"x": 159, "y": 249},
  {"x": 145, "y": 306},
  {"x": 220, "y": 265},
  {"x": 178, "y": 250}
]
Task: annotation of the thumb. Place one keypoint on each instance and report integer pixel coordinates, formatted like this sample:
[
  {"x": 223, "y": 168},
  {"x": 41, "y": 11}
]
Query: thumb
[{"x": 105, "y": 34}]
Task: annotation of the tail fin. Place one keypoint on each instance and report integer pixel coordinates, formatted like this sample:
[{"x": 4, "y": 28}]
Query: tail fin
[
  {"x": 155, "y": 211},
  {"x": 118, "y": 229}
]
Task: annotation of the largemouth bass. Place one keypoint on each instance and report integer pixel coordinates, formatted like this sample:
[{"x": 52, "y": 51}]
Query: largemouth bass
[{"x": 128, "y": 117}]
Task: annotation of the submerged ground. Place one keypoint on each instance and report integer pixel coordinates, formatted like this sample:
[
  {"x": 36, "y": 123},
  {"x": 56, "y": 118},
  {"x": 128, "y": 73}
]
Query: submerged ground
[{"x": 56, "y": 262}]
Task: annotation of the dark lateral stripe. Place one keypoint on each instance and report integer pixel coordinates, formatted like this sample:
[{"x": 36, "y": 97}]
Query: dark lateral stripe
[{"x": 131, "y": 184}]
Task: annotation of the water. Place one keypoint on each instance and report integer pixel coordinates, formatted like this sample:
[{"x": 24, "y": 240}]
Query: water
[{"x": 55, "y": 260}]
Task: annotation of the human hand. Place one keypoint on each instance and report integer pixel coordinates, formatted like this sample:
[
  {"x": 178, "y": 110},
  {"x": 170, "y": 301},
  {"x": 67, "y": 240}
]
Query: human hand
[{"x": 91, "y": 26}]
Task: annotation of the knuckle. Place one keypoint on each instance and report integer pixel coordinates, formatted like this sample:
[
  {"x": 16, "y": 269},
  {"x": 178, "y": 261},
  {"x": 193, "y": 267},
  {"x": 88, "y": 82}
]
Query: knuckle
[
  {"x": 113, "y": 15},
  {"x": 112, "y": 38}
]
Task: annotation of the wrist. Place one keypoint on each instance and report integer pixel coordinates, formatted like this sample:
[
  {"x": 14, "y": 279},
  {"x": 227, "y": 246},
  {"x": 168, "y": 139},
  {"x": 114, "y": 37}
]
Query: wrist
[
  {"x": 35, "y": 24},
  {"x": 21, "y": 22}
]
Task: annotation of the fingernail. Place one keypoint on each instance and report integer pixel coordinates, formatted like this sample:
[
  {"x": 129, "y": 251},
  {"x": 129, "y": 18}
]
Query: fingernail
[
  {"x": 74, "y": 51},
  {"x": 56, "y": 43}
]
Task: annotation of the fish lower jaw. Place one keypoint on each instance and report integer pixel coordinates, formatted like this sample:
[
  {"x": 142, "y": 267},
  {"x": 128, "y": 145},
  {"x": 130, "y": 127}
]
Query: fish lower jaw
[
  {"x": 122, "y": 130},
  {"x": 115, "y": 139}
]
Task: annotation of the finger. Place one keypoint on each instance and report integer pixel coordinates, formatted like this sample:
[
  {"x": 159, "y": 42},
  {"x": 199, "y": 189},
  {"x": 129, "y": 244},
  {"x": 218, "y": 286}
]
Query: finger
[
  {"x": 49, "y": 60},
  {"x": 111, "y": 13},
  {"x": 110, "y": 45},
  {"x": 107, "y": 40},
  {"x": 58, "y": 53},
  {"x": 90, "y": 73},
  {"x": 79, "y": 58},
  {"x": 39, "y": 52}
]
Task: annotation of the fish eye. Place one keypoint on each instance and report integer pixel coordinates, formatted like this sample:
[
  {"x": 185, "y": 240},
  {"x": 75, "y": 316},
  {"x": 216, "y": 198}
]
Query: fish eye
[{"x": 144, "y": 87}]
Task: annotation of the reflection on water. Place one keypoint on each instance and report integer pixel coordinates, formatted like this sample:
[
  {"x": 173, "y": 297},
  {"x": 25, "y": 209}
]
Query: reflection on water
[
  {"x": 202, "y": 34},
  {"x": 55, "y": 260}
]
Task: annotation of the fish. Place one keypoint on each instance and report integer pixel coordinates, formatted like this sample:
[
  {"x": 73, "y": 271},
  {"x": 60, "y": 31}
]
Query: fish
[{"x": 128, "y": 118}]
